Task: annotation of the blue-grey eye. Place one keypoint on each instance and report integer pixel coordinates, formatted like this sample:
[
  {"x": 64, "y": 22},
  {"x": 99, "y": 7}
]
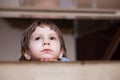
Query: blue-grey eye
[
  {"x": 37, "y": 38},
  {"x": 52, "y": 38}
]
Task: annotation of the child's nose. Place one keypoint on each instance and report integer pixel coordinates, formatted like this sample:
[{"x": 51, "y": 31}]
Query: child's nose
[{"x": 46, "y": 42}]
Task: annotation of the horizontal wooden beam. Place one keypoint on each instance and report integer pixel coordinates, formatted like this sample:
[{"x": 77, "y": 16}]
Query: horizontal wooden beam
[
  {"x": 60, "y": 71},
  {"x": 59, "y": 13}
]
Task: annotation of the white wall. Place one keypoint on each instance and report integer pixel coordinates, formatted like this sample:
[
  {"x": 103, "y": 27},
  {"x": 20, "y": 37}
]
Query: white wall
[
  {"x": 10, "y": 3},
  {"x": 10, "y": 43},
  {"x": 70, "y": 46}
]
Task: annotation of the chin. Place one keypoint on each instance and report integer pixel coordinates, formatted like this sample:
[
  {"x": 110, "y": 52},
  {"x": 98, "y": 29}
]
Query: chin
[{"x": 48, "y": 56}]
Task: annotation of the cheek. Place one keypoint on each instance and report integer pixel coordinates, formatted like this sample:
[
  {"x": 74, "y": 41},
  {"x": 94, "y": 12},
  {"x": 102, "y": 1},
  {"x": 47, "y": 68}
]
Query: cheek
[
  {"x": 35, "y": 47},
  {"x": 56, "y": 46}
]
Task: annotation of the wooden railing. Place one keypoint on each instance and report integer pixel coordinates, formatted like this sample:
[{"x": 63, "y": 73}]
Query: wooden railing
[{"x": 60, "y": 71}]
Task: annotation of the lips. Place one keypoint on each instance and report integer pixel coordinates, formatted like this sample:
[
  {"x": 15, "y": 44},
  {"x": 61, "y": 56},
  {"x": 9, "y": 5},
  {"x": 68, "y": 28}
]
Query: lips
[{"x": 46, "y": 50}]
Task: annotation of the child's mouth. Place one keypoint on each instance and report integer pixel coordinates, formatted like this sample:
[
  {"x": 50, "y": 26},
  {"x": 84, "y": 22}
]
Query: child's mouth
[{"x": 46, "y": 50}]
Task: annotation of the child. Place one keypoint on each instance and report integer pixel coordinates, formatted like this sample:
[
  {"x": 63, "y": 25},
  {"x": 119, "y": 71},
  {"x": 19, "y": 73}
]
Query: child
[{"x": 42, "y": 41}]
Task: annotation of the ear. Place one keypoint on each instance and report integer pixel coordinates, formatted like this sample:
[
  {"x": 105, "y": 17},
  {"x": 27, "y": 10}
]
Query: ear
[
  {"x": 61, "y": 53},
  {"x": 27, "y": 56}
]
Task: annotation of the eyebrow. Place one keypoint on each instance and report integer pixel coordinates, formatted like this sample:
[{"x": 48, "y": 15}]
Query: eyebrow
[
  {"x": 53, "y": 34},
  {"x": 42, "y": 35}
]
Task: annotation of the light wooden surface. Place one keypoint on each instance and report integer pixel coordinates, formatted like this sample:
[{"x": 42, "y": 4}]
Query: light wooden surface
[
  {"x": 60, "y": 13},
  {"x": 60, "y": 71},
  {"x": 67, "y": 13},
  {"x": 105, "y": 9}
]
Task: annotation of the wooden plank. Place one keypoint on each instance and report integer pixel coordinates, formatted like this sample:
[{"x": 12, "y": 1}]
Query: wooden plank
[
  {"x": 60, "y": 71},
  {"x": 73, "y": 13},
  {"x": 113, "y": 45}
]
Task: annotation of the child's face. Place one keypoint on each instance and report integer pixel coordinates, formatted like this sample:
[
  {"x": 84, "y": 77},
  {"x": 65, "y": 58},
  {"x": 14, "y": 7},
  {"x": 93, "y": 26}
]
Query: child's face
[{"x": 44, "y": 44}]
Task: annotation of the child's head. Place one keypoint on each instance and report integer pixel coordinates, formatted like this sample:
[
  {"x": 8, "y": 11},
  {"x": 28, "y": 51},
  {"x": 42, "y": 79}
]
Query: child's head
[{"x": 42, "y": 41}]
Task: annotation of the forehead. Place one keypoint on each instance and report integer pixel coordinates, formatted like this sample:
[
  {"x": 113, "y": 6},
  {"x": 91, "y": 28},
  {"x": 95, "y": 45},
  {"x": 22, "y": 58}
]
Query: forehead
[{"x": 43, "y": 29}]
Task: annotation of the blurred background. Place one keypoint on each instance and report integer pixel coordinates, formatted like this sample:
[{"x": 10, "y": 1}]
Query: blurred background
[{"x": 91, "y": 28}]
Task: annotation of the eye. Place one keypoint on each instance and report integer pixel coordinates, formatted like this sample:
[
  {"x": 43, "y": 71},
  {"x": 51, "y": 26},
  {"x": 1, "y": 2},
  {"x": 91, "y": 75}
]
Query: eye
[
  {"x": 37, "y": 38},
  {"x": 52, "y": 38}
]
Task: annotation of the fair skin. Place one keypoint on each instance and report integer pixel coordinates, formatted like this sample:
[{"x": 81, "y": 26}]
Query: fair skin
[{"x": 44, "y": 45}]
